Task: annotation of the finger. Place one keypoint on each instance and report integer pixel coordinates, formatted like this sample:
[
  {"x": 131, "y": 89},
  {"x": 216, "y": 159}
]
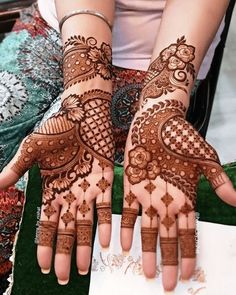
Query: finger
[
  {"x": 20, "y": 163},
  {"x": 84, "y": 226},
  {"x": 149, "y": 233},
  {"x": 65, "y": 240},
  {"x": 46, "y": 234},
  {"x": 226, "y": 191},
  {"x": 104, "y": 213},
  {"x": 187, "y": 239},
  {"x": 169, "y": 250},
  {"x": 128, "y": 219}
]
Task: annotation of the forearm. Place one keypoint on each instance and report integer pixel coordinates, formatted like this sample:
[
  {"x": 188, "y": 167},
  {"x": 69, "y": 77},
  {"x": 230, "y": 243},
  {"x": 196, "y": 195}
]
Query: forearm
[
  {"x": 197, "y": 21},
  {"x": 95, "y": 32}
]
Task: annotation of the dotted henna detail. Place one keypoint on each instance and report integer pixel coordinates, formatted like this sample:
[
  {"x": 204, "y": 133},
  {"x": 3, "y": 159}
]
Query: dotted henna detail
[{"x": 84, "y": 60}]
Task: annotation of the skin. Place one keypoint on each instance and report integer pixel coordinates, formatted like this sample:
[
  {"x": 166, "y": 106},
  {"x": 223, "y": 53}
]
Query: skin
[
  {"x": 181, "y": 17},
  {"x": 189, "y": 19}
]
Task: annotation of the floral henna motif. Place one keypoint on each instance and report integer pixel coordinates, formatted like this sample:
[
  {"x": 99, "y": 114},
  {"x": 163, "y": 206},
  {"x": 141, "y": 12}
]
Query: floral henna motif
[
  {"x": 149, "y": 239},
  {"x": 65, "y": 241},
  {"x": 169, "y": 251},
  {"x": 171, "y": 70},
  {"x": 187, "y": 243},
  {"x": 84, "y": 232},
  {"x": 66, "y": 144},
  {"x": 46, "y": 233},
  {"x": 84, "y": 60}
]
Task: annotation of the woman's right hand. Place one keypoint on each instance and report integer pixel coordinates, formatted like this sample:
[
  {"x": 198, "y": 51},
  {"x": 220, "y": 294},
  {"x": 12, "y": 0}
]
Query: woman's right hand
[{"x": 74, "y": 149}]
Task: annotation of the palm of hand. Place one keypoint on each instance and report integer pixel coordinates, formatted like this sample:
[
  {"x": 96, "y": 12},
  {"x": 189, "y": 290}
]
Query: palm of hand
[
  {"x": 74, "y": 150},
  {"x": 164, "y": 158}
]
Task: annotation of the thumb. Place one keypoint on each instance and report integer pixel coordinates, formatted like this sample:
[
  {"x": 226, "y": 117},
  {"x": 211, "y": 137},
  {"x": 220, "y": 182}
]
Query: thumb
[
  {"x": 20, "y": 163},
  {"x": 226, "y": 191}
]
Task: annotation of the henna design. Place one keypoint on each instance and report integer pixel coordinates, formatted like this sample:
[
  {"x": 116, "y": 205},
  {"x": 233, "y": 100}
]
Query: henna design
[
  {"x": 104, "y": 212},
  {"x": 129, "y": 216},
  {"x": 46, "y": 233},
  {"x": 84, "y": 60},
  {"x": 169, "y": 250},
  {"x": 180, "y": 152},
  {"x": 166, "y": 146},
  {"x": 149, "y": 239},
  {"x": 84, "y": 232},
  {"x": 130, "y": 198},
  {"x": 171, "y": 70},
  {"x": 65, "y": 241},
  {"x": 68, "y": 216},
  {"x": 71, "y": 148},
  {"x": 187, "y": 243}
]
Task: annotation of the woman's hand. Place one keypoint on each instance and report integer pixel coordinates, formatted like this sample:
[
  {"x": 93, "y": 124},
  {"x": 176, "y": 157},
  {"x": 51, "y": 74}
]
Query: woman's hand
[
  {"x": 164, "y": 159},
  {"x": 74, "y": 150}
]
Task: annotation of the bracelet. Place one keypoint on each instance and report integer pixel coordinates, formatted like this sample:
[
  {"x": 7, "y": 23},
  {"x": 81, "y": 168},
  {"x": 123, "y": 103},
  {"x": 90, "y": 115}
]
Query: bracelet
[{"x": 85, "y": 11}]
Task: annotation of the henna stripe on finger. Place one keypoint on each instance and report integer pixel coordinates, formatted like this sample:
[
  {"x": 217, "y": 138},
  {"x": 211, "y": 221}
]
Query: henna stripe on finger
[
  {"x": 84, "y": 230},
  {"x": 65, "y": 241},
  {"x": 104, "y": 213},
  {"x": 149, "y": 239},
  {"x": 46, "y": 233},
  {"x": 187, "y": 242},
  {"x": 129, "y": 216},
  {"x": 169, "y": 250}
]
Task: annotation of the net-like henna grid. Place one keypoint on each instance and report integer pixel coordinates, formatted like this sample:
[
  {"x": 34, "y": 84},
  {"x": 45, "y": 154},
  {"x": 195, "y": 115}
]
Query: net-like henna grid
[
  {"x": 104, "y": 212},
  {"x": 149, "y": 239},
  {"x": 169, "y": 251},
  {"x": 65, "y": 241},
  {"x": 129, "y": 216},
  {"x": 84, "y": 232},
  {"x": 187, "y": 243},
  {"x": 46, "y": 233}
]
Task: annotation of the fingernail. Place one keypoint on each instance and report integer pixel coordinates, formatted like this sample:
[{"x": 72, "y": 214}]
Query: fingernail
[
  {"x": 83, "y": 272},
  {"x": 168, "y": 292},
  {"x": 125, "y": 253},
  {"x": 45, "y": 271},
  {"x": 63, "y": 282},
  {"x": 104, "y": 249},
  {"x": 150, "y": 280},
  {"x": 184, "y": 281}
]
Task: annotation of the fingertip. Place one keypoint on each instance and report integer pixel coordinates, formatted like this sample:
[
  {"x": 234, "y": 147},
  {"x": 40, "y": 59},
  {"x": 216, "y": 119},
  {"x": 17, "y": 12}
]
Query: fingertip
[
  {"x": 126, "y": 238},
  {"x": 104, "y": 233}
]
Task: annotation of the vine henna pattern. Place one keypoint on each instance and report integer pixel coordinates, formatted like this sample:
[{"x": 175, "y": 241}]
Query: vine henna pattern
[
  {"x": 171, "y": 70},
  {"x": 65, "y": 147},
  {"x": 83, "y": 60},
  {"x": 167, "y": 146}
]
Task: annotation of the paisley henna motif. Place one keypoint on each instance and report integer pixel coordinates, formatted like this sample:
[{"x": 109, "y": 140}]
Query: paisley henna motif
[
  {"x": 84, "y": 232},
  {"x": 171, "y": 70},
  {"x": 84, "y": 60}
]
